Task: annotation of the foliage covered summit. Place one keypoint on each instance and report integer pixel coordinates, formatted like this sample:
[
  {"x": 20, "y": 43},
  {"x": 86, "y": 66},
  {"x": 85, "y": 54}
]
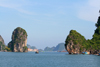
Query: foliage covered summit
[{"x": 93, "y": 45}]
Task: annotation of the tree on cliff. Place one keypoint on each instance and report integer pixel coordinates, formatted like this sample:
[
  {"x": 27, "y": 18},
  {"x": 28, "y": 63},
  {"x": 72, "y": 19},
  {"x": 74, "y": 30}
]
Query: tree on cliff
[{"x": 19, "y": 40}]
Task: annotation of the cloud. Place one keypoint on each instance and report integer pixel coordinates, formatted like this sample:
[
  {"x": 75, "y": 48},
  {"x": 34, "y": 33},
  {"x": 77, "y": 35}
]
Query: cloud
[
  {"x": 49, "y": 15},
  {"x": 9, "y": 4},
  {"x": 90, "y": 11},
  {"x": 25, "y": 11},
  {"x": 16, "y": 6},
  {"x": 94, "y": 3}
]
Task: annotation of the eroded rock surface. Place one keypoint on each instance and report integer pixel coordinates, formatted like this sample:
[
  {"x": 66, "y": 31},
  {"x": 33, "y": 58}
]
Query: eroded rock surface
[
  {"x": 75, "y": 43},
  {"x": 1, "y": 40},
  {"x": 19, "y": 40},
  {"x": 2, "y": 44}
]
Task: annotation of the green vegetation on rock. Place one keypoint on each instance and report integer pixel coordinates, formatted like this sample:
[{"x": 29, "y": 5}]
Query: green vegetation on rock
[
  {"x": 93, "y": 45},
  {"x": 8, "y": 49},
  {"x": 25, "y": 47},
  {"x": 19, "y": 39},
  {"x": 95, "y": 41},
  {"x": 77, "y": 39},
  {"x": 19, "y": 33},
  {"x": 2, "y": 46}
]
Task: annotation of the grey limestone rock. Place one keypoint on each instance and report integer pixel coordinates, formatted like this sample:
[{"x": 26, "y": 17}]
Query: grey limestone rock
[{"x": 19, "y": 40}]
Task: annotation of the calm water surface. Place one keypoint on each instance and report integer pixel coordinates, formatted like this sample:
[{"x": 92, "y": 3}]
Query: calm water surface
[{"x": 47, "y": 59}]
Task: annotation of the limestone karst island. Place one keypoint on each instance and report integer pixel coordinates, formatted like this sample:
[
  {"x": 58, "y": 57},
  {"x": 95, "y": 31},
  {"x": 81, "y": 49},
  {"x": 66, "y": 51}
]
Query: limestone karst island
[
  {"x": 18, "y": 42},
  {"x": 75, "y": 43}
]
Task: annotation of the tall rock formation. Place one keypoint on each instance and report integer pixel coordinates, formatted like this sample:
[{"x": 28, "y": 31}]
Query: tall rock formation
[
  {"x": 2, "y": 44},
  {"x": 75, "y": 43},
  {"x": 19, "y": 40},
  {"x": 95, "y": 41}
]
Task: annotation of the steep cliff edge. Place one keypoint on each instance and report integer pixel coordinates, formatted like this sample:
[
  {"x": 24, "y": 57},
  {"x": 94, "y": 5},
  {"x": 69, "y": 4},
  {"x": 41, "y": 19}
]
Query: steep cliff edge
[
  {"x": 19, "y": 40},
  {"x": 95, "y": 41},
  {"x": 75, "y": 43}
]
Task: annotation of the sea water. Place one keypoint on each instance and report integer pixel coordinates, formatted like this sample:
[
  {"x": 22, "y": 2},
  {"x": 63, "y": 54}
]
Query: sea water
[{"x": 47, "y": 59}]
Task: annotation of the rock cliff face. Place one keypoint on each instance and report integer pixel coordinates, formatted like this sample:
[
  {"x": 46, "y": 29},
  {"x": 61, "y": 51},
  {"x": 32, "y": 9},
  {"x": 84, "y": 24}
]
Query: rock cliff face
[
  {"x": 1, "y": 39},
  {"x": 19, "y": 40},
  {"x": 75, "y": 43},
  {"x": 2, "y": 44},
  {"x": 72, "y": 48}
]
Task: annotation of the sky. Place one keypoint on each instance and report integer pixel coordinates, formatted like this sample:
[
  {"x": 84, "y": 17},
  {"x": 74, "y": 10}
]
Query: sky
[{"x": 48, "y": 22}]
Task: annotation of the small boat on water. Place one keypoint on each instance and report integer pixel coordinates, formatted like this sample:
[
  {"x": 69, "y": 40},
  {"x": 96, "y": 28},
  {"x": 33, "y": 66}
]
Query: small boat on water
[
  {"x": 37, "y": 52},
  {"x": 86, "y": 53},
  {"x": 98, "y": 54}
]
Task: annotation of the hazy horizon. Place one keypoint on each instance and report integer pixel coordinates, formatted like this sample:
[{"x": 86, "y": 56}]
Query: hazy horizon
[{"x": 48, "y": 22}]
